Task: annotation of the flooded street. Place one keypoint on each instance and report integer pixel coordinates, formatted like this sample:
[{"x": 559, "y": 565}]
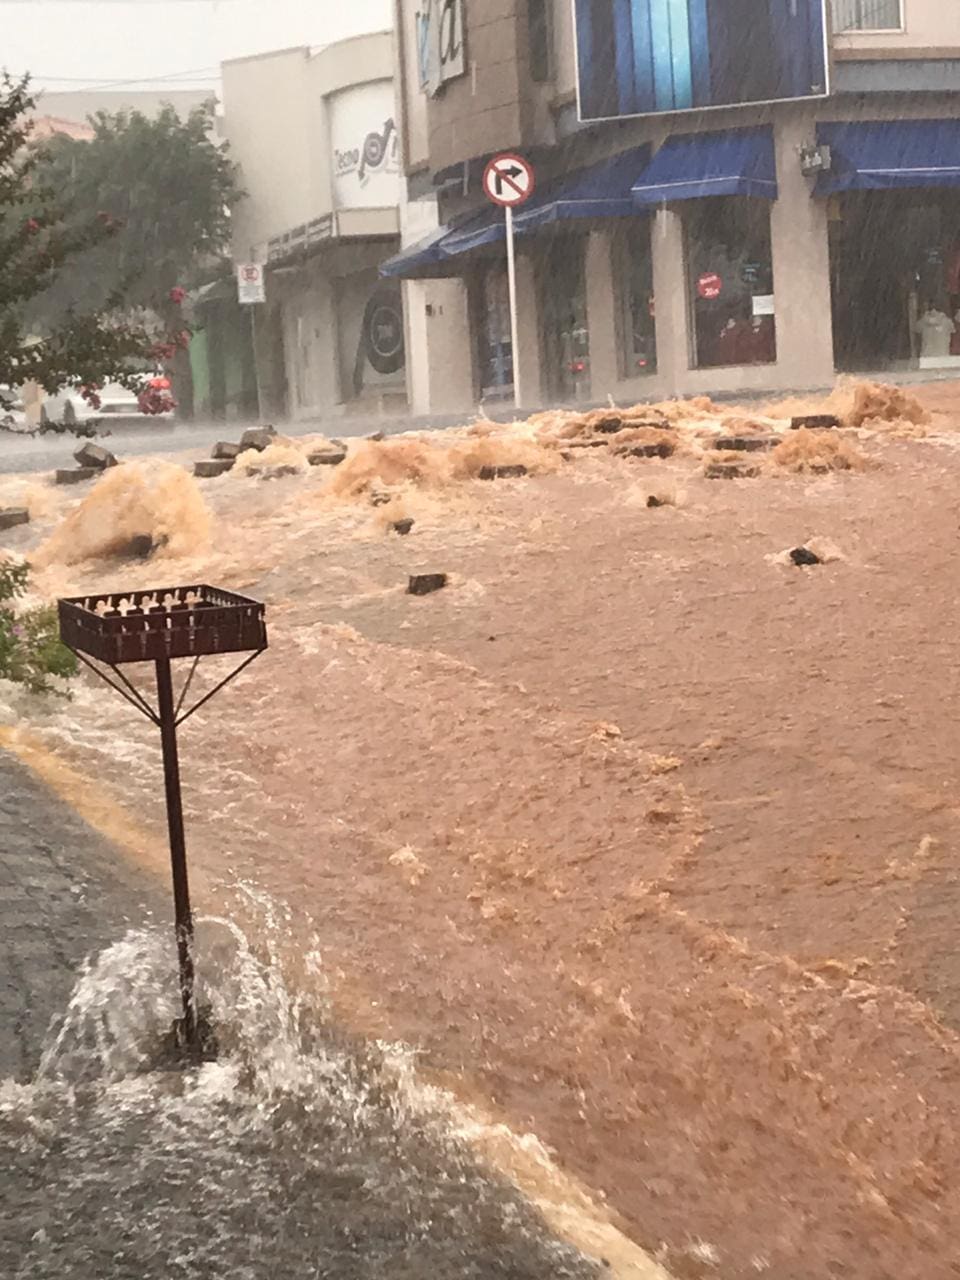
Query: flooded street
[
  {"x": 301, "y": 1151},
  {"x": 639, "y": 834}
]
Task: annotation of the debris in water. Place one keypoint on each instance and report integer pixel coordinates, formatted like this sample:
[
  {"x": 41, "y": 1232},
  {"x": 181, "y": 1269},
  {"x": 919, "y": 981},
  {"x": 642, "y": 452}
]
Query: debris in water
[
  {"x": 277, "y": 458},
  {"x": 608, "y": 423},
  {"x": 746, "y": 444},
  {"x": 804, "y": 556},
  {"x": 410, "y": 865},
  {"x": 434, "y": 462},
  {"x": 161, "y": 501},
  {"x": 879, "y": 402},
  {"x": 75, "y": 475},
  {"x": 257, "y": 438},
  {"x": 502, "y": 473},
  {"x": 422, "y": 584},
  {"x": 142, "y": 546},
  {"x": 665, "y": 449},
  {"x": 207, "y": 468},
  {"x": 814, "y": 452},
  {"x": 815, "y": 422},
  {"x": 226, "y": 449},
  {"x": 326, "y": 457},
  {"x": 402, "y": 527},
  {"x": 92, "y": 455},
  {"x": 730, "y": 469},
  {"x": 12, "y": 516}
]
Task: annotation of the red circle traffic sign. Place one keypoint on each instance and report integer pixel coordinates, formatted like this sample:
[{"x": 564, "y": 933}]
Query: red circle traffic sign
[
  {"x": 508, "y": 180},
  {"x": 710, "y": 285}
]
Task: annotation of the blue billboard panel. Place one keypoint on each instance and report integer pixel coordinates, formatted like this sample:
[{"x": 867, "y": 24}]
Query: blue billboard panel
[{"x": 641, "y": 57}]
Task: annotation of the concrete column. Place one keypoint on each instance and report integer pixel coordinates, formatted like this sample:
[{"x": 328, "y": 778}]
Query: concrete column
[
  {"x": 801, "y": 266},
  {"x": 528, "y": 324},
  {"x": 602, "y": 315},
  {"x": 439, "y": 347},
  {"x": 670, "y": 301}
]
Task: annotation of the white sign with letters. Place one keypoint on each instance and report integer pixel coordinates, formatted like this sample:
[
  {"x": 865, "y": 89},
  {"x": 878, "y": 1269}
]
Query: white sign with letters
[
  {"x": 250, "y": 286},
  {"x": 364, "y": 147},
  {"x": 441, "y": 43}
]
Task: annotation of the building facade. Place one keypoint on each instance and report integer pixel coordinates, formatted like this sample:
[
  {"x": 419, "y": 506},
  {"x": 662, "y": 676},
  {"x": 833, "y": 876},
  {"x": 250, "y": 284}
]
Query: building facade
[
  {"x": 314, "y": 134},
  {"x": 730, "y": 196}
]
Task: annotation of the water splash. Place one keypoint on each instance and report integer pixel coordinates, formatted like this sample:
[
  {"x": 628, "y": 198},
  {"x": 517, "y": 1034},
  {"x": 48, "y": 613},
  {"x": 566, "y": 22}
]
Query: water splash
[{"x": 300, "y": 1153}]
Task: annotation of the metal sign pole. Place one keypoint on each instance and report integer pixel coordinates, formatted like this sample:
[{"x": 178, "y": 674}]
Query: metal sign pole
[
  {"x": 514, "y": 326},
  {"x": 178, "y": 848},
  {"x": 111, "y": 630}
]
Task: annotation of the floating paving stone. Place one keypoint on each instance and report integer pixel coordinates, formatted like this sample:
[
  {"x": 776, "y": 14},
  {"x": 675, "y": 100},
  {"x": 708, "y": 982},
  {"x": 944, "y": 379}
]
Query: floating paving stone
[
  {"x": 730, "y": 471},
  {"x": 92, "y": 455},
  {"x": 502, "y": 473},
  {"x": 804, "y": 556},
  {"x": 206, "y": 468},
  {"x": 12, "y": 516},
  {"x": 815, "y": 422},
  {"x": 746, "y": 444},
  {"x": 423, "y": 584}
]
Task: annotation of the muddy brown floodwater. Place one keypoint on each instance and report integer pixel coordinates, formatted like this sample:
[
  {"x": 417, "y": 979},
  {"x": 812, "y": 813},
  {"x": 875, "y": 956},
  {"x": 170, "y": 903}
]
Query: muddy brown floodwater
[{"x": 645, "y": 836}]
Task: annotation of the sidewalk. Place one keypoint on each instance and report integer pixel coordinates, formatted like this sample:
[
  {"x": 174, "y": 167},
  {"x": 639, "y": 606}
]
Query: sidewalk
[{"x": 63, "y": 894}]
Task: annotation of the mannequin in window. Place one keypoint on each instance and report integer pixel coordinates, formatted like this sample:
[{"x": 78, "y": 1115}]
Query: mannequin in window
[{"x": 936, "y": 330}]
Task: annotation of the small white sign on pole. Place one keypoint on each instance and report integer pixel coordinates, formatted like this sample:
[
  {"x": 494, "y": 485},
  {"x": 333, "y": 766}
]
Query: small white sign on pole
[
  {"x": 250, "y": 286},
  {"x": 509, "y": 181}
]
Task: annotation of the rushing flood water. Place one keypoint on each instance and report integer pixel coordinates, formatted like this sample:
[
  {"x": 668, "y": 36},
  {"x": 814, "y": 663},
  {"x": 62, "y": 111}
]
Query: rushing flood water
[{"x": 298, "y": 1154}]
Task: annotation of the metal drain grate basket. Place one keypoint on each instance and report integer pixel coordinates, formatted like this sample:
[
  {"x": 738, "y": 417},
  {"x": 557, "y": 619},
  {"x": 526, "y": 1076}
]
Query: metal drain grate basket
[{"x": 167, "y": 622}]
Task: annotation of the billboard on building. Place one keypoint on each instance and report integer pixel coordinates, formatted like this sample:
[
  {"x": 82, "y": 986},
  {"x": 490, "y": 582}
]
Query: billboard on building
[
  {"x": 364, "y": 147},
  {"x": 643, "y": 57}
]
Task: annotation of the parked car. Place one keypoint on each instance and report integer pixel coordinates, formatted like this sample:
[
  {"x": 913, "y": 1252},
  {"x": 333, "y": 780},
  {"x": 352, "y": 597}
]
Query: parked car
[
  {"x": 12, "y": 409},
  {"x": 116, "y": 402}
]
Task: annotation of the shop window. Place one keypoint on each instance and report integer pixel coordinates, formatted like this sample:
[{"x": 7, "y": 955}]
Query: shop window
[
  {"x": 638, "y": 336},
  {"x": 564, "y": 331},
  {"x": 496, "y": 352},
  {"x": 540, "y": 39},
  {"x": 730, "y": 281},
  {"x": 867, "y": 15}
]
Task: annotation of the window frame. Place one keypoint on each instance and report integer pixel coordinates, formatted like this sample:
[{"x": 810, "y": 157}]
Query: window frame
[{"x": 900, "y": 29}]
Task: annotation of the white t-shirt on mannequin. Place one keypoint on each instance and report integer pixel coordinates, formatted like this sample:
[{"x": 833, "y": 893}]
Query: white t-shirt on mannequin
[{"x": 935, "y": 330}]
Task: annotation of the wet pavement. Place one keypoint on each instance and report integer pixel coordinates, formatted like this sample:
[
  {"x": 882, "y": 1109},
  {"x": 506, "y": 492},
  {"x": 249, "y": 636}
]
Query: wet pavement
[
  {"x": 301, "y": 1152},
  {"x": 64, "y": 894}
]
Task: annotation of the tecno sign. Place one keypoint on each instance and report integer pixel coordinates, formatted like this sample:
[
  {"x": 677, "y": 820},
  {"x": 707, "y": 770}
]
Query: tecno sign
[
  {"x": 441, "y": 43},
  {"x": 364, "y": 147}
]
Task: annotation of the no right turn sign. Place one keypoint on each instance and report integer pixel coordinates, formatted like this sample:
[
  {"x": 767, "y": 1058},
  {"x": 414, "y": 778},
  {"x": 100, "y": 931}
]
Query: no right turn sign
[{"x": 508, "y": 180}]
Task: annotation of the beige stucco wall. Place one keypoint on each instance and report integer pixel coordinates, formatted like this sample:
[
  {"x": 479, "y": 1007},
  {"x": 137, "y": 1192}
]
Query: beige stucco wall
[
  {"x": 268, "y": 128},
  {"x": 275, "y": 119}
]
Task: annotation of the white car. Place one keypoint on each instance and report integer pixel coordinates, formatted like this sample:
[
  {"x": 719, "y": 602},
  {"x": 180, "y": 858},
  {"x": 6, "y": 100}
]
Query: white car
[
  {"x": 12, "y": 409},
  {"x": 118, "y": 402}
]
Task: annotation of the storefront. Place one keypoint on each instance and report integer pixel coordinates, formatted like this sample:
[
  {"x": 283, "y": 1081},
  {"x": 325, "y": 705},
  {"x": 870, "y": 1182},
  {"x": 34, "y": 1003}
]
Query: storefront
[
  {"x": 564, "y": 326},
  {"x": 723, "y": 184},
  {"x": 894, "y": 215}
]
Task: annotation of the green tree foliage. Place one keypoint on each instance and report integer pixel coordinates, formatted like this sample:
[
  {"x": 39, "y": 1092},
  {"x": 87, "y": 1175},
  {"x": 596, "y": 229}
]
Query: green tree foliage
[
  {"x": 165, "y": 186},
  {"x": 31, "y": 652},
  {"x": 39, "y": 238}
]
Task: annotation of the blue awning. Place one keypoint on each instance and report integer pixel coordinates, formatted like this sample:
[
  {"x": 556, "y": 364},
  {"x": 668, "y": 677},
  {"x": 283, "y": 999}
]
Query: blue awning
[
  {"x": 737, "y": 162},
  {"x": 886, "y": 155},
  {"x": 416, "y": 259},
  {"x": 486, "y": 227},
  {"x": 602, "y": 190}
]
